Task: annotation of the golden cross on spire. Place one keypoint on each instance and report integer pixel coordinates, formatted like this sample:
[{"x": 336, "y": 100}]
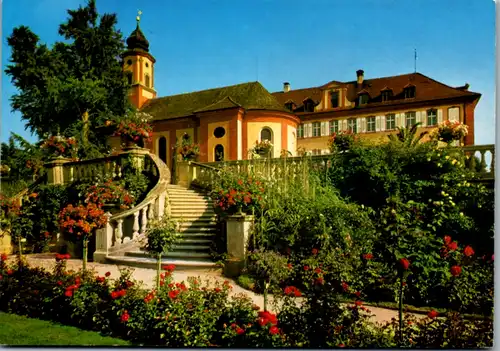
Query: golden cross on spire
[{"x": 138, "y": 18}]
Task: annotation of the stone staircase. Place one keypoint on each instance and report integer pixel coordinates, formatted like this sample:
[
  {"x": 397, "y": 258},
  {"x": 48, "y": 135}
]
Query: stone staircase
[{"x": 198, "y": 228}]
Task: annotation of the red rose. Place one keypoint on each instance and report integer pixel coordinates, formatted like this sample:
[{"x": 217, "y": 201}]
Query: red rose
[
  {"x": 129, "y": 283},
  {"x": 455, "y": 270},
  {"x": 122, "y": 293},
  {"x": 100, "y": 279},
  {"x": 314, "y": 251},
  {"x": 404, "y": 263},
  {"x": 432, "y": 314},
  {"x": 453, "y": 246},
  {"x": 274, "y": 330},
  {"x": 68, "y": 293},
  {"x": 239, "y": 331},
  {"x": 266, "y": 317},
  {"x": 3, "y": 257},
  {"x": 114, "y": 295},
  {"x": 173, "y": 294},
  {"x": 217, "y": 290},
  {"x": 317, "y": 270},
  {"x": 368, "y": 256},
  {"x": 289, "y": 266},
  {"x": 358, "y": 302},
  {"x": 169, "y": 267},
  {"x": 319, "y": 281},
  {"x": 10, "y": 272},
  {"x": 341, "y": 345},
  {"x": 468, "y": 251},
  {"x": 125, "y": 316},
  {"x": 292, "y": 291},
  {"x": 447, "y": 239},
  {"x": 345, "y": 286},
  {"x": 306, "y": 268},
  {"x": 107, "y": 274},
  {"x": 357, "y": 293}
]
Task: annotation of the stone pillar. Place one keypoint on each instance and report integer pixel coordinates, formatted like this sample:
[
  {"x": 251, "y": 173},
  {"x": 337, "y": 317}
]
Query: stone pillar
[
  {"x": 138, "y": 156},
  {"x": 55, "y": 170},
  {"x": 237, "y": 233},
  {"x": 104, "y": 240},
  {"x": 184, "y": 174},
  {"x": 5, "y": 242}
]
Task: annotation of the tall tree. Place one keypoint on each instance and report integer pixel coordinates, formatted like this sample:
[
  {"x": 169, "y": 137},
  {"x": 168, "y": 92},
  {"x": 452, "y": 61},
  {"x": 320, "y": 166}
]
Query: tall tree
[{"x": 77, "y": 84}]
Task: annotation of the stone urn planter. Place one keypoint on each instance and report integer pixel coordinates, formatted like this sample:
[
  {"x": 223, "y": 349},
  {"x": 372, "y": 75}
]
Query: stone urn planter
[{"x": 238, "y": 228}]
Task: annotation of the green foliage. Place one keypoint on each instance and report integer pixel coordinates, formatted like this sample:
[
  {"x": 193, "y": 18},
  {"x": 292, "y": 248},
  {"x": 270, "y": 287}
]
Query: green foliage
[
  {"x": 75, "y": 85},
  {"x": 191, "y": 313},
  {"x": 161, "y": 235},
  {"x": 408, "y": 135},
  {"x": 137, "y": 184},
  {"x": 23, "y": 159},
  {"x": 233, "y": 193},
  {"x": 269, "y": 267}
]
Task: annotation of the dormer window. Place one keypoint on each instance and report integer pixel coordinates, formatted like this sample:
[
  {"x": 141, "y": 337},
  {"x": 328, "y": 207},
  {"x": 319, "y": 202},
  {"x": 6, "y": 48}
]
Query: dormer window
[
  {"x": 386, "y": 95},
  {"x": 309, "y": 105},
  {"x": 363, "y": 99},
  {"x": 334, "y": 98},
  {"x": 290, "y": 106},
  {"x": 410, "y": 92}
]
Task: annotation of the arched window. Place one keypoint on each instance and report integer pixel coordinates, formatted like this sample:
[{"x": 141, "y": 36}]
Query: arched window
[
  {"x": 129, "y": 78},
  {"x": 162, "y": 149},
  {"x": 266, "y": 134},
  {"x": 146, "y": 78},
  {"x": 219, "y": 153}
]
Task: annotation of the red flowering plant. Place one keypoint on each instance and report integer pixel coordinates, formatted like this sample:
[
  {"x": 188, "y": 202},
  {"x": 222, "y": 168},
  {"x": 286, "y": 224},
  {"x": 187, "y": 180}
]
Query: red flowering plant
[
  {"x": 237, "y": 193},
  {"x": 135, "y": 128},
  {"x": 187, "y": 149},
  {"x": 450, "y": 131},
  {"x": 109, "y": 193},
  {"x": 470, "y": 279},
  {"x": 81, "y": 221},
  {"x": 59, "y": 146},
  {"x": 270, "y": 269},
  {"x": 342, "y": 141}
]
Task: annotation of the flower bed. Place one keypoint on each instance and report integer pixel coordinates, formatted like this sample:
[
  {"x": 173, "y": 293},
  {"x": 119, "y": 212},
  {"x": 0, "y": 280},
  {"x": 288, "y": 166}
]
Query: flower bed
[{"x": 184, "y": 314}]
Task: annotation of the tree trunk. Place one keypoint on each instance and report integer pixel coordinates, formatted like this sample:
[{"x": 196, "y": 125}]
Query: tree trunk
[
  {"x": 401, "y": 310},
  {"x": 85, "y": 129},
  {"x": 158, "y": 271},
  {"x": 85, "y": 250}
]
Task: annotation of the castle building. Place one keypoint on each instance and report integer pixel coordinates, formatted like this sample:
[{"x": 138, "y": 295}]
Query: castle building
[{"x": 227, "y": 122}]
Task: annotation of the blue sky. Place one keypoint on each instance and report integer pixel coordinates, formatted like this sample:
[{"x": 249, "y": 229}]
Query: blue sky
[{"x": 201, "y": 44}]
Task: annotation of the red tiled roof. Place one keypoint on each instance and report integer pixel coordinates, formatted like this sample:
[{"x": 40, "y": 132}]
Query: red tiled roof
[{"x": 426, "y": 89}]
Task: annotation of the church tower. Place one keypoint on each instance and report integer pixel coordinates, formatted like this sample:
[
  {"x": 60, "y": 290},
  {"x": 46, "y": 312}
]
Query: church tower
[{"x": 138, "y": 65}]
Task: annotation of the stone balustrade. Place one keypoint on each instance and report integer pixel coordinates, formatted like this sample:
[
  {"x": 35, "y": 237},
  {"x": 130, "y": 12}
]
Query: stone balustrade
[
  {"x": 124, "y": 229},
  {"x": 284, "y": 169},
  {"x": 63, "y": 171}
]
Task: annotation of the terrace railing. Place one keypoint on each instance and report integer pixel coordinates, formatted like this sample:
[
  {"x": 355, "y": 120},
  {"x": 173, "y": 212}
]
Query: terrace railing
[
  {"x": 289, "y": 169},
  {"x": 124, "y": 230}
]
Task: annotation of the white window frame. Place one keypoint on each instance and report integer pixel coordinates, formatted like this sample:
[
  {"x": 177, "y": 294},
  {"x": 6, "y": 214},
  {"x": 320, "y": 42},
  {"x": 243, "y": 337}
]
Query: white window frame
[
  {"x": 334, "y": 127},
  {"x": 391, "y": 117},
  {"x": 316, "y": 129},
  {"x": 300, "y": 131},
  {"x": 352, "y": 125},
  {"x": 410, "y": 115},
  {"x": 371, "y": 120},
  {"x": 432, "y": 113}
]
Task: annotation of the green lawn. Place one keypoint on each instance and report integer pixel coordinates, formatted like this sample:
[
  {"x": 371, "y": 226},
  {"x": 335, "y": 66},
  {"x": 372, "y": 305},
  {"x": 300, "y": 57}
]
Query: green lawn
[{"x": 18, "y": 330}]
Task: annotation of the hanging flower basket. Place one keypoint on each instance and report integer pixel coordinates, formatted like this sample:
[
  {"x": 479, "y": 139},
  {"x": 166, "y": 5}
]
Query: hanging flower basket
[
  {"x": 187, "y": 149},
  {"x": 448, "y": 132},
  {"x": 262, "y": 148}
]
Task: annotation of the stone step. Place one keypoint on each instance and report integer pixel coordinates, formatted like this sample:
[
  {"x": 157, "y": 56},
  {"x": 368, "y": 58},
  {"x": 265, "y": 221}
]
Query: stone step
[
  {"x": 195, "y": 241},
  {"x": 188, "y": 217},
  {"x": 197, "y": 235},
  {"x": 185, "y": 255},
  {"x": 189, "y": 205},
  {"x": 185, "y": 203},
  {"x": 184, "y": 191},
  {"x": 181, "y": 245},
  {"x": 202, "y": 227},
  {"x": 192, "y": 212},
  {"x": 200, "y": 265}
]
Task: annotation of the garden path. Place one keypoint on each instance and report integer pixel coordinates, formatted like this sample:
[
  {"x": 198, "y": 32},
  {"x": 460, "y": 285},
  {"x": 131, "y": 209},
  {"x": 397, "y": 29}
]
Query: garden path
[{"x": 148, "y": 276}]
